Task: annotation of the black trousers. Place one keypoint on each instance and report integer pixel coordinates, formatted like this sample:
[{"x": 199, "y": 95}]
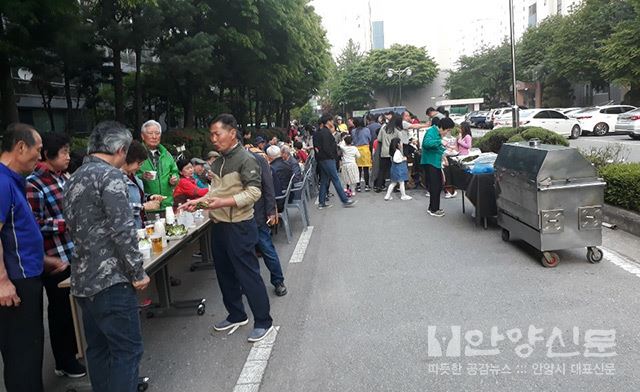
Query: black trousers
[
  {"x": 364, "y": 171},
  {"x": 383, "y": 172},
  {"x": 22, "y": 338},
  {"x": 434, "y": 182},
  {"x": 61, "y": 330},
  {"x": 238, "y": 271}
]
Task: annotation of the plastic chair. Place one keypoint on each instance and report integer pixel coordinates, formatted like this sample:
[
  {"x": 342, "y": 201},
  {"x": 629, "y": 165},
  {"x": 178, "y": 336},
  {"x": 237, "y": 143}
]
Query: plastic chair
[
  {"x": 301, "y": 203},
  {"x": 284, "y": 215}
]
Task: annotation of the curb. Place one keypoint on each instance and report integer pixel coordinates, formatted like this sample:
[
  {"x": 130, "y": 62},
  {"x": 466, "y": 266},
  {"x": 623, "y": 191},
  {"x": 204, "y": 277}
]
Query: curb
[{"x": 626, "y": 220}]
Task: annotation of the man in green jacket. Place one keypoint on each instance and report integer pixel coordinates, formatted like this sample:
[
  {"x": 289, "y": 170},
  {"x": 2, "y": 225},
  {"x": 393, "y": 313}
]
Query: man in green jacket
[{"x": 159, "y": 173}]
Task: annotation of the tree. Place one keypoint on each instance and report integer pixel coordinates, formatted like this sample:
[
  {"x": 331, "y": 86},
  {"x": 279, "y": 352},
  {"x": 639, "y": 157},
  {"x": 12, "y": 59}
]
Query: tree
[
  {"x": 423, "y": 67},
  {"x": 620, "y": 55},
  {"x": 536, "y": 64},
  {"x": 352, "y": 85},
  {"x": 577, "y": 43},
  {"x": 486, "y": 74}
]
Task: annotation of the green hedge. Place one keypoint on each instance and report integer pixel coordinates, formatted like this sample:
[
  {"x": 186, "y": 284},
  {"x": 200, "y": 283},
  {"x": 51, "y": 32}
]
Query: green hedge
[
  {"x": 493, "y": 140},
  {"x": 195, "y": 140},
  {"x": 623, "y": 185}
]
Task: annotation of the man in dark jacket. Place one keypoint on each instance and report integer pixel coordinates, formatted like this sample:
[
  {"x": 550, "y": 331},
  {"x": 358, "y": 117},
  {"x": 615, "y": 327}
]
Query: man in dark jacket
[
  {"x": 327, "y": 154},
  {"x": 282, "y": 170},
  {"x": 265, "y": 214}
]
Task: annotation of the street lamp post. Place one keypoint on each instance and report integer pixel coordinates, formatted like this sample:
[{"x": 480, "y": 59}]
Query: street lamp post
[
  {"x": 515, "y": 113},
  {"x": 391, "y": 72}
]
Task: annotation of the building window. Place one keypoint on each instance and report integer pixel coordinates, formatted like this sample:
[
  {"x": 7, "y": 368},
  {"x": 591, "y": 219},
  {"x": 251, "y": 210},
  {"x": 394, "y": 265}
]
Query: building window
[{"x": 533, "y": 15}]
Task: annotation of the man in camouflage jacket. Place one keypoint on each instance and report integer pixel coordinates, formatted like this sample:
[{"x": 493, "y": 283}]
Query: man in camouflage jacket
[{"x": 106, "y": 266}]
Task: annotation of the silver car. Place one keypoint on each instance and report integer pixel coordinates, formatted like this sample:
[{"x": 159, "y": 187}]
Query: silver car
[{"x": 629, "y": 123}]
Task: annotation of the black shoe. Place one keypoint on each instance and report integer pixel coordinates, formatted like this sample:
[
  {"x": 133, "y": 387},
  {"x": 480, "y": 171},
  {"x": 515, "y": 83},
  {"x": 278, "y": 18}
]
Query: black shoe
[
  {"x": 73, "y": 370},
  {"x": 358, "y": 188},
  {"x": 174, "y": 281},
  {"x": 377, "y": 190},
  {"x": 366, "y": 188},
  {"x": 281, "y": 290}
]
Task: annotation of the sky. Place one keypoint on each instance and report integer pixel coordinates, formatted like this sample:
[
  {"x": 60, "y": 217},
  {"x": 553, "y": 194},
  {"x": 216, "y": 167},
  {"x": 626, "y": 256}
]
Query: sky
[{"x": 434, "y": 24}]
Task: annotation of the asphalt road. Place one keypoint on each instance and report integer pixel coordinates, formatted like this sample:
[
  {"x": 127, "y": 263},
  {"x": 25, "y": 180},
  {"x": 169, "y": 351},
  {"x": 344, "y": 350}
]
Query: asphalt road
[{"x": 374, "y": 278}]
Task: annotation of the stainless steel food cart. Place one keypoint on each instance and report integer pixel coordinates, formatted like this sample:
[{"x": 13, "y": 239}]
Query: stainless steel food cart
[{"x": 550, "y": 197}]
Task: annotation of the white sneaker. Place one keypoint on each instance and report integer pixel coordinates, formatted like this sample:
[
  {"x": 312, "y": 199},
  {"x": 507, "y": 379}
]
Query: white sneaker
[
  {"x": 406, "y": 197},
  {"x": 387, "y": 198},
  {"x": 448, "y": 195}
]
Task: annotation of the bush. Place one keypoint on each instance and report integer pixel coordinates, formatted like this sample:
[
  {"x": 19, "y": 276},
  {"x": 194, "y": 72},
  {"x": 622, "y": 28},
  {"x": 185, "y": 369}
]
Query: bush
[
  {"x": 623, "y": 185},
  {"x": 195, "y": 140},
  {"x": 602, "y": 156},
  {"x": 79, "y": 144},
  {"x": 493, "y": 140},
  {"x": 545, "y": 136}
]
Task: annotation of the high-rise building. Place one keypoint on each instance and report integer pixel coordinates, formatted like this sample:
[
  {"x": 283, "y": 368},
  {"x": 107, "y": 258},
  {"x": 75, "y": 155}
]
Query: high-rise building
[{"x": 377, "y": 36}]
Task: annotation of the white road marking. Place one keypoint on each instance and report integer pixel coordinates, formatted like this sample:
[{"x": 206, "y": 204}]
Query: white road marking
[
  {"x": 621, "y": 261},
  {"x": 301, "y": 246},
  {"x": 256, "y": 364}
]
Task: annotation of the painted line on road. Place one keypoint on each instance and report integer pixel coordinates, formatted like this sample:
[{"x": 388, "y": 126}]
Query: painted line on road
[
  {"x": 621, "y": 261},
  {"x": 301, "y": 246},
  {"x": 256, "y": 364}
]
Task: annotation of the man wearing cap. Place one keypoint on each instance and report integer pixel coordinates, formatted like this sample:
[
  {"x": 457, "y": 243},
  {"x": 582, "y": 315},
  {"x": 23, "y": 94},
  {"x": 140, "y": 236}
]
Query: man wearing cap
[
  {"x": 341, "y": 126},
  {"x": 261, "y": 143},
  {"x": 159, "y": 172},
  {"x": 199, "y": 173}
]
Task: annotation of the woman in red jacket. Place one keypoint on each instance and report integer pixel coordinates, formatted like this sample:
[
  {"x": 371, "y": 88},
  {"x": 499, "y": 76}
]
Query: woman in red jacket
[{"x": 187, "y": 188}]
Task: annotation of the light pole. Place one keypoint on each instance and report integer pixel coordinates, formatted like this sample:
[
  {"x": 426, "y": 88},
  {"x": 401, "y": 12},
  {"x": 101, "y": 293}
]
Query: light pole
[
  {"x": 342, "y": 104},
  {"x": 515, "y": 113},
  {"x": 391, "y": 72}
]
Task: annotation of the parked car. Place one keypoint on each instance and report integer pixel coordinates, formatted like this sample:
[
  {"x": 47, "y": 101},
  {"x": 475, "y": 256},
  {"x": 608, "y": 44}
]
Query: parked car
[
  {"x": 479, "y": 119},
  {"x": 457, "y": 118},
  {"x": 629, "y": 122},
  {"x": 495, "y": 113},
  {"x": 601, "y": 119},
  {"x": 550, "y": 119},
  {"x": 380, "y": 111}
]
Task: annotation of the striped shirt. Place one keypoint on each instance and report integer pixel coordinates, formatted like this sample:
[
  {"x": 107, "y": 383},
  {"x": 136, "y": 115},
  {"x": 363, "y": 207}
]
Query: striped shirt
[
  {"x": 44, "y": 193},
  {"x": 20, "y": 235}
]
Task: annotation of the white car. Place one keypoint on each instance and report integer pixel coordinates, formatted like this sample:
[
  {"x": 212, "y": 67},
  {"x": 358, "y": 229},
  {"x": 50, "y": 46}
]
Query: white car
[
  {"x": 550, "y": 119},
  {"x": 457, "y": 118},
  {"x": 629, "y": 123},
  {"x": 600, "y": 120}
]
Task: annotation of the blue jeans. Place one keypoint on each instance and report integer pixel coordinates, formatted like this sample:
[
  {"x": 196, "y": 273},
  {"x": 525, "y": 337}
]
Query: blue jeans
[
  {"x": 114, "y": 341},
  {"x": 269, "y": 254},
  {"x": 328, "y": 172}
]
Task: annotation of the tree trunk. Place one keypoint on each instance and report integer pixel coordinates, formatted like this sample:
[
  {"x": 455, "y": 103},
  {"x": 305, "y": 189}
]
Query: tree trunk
[
  {"x": 67, "y": 94},
  {"x": 187, "y": 106},
  {"x": 118, "y": 85},
  {"x": 138, "y": 94},
  {"x": 9, "y": 107}
]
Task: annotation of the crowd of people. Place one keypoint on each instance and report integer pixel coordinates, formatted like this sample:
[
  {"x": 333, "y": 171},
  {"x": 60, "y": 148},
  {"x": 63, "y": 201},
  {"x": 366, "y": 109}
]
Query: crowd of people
[
  {"x": 58, "y": 222},
  {"x": 356, "y": 157}
]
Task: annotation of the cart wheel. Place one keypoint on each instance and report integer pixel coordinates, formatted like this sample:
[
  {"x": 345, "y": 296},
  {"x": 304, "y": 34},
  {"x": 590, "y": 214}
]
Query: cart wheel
[
  {"x": 550, "y": 259},
  {"x": 201, "y": 309},
  {"x": 192, "y": 268},
  {"x": 143, "y": 386},
  {"x": 594, "y": 255},
  {"x": 150, "y": 314},
  {"x": 505, "y": 235}
]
